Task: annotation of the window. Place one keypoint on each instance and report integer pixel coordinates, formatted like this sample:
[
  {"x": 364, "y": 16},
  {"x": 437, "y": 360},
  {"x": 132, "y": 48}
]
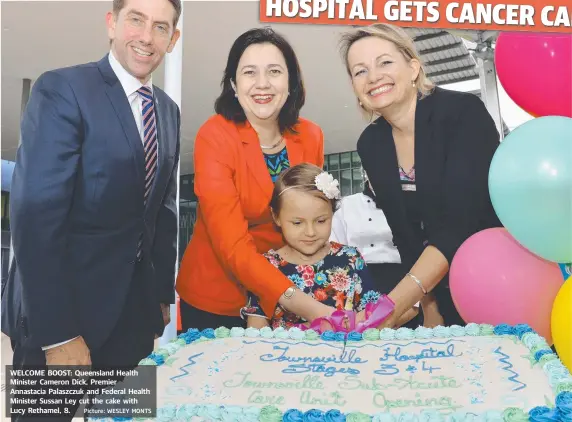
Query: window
[{"x": 346, "y": 168}]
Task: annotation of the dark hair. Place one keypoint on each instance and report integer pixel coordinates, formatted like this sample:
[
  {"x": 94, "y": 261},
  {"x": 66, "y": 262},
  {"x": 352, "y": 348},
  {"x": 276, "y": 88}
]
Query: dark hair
[
  {"x": 300, "y": 177},
  {"x": 227, "y": 104},
  {"x": 118, "y": 5}
]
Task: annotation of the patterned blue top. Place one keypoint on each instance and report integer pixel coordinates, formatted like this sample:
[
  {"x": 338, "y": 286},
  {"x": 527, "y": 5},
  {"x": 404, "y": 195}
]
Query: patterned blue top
[
  {"x": 277, "y": 163},
  {"x": 340, "y": 280}
]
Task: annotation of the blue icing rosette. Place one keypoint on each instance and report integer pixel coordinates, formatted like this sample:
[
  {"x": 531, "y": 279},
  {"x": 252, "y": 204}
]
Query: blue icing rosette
[
  {"x": 166, "y": 413},
  {"x": 250, "y": 414},
  {"x": 159, "y": 360},
  {"x": 186, "y": 412},
  {"x": 522, "y": 329},
  {"x": 493, "y": 416},
  {"x": 328, "y": 335},
  {"x": 441, "y": 332},
  {"x": 472, "y": 329},
  {"x": 296, "y": 334},
  {"x": 404, "y": 333},
  {"x": 281, "y": 333},
  {"x": 430, "y": 415},
  {"x": 313, "y": 415},
  {"x": 543, "y": 414},
  {"x": 457, "y": 331},
  {"x": 407, "y": 417},
  {"x": 237, "y": 332},
  {"x": 504, "y": 329},
  {"x": 251, "y": 332},
  {"x": 564, "y": 405},
  {"x": 457, "y": 416},
  {"x": 340, "y": 336},
  {"x": 541, "y": 353},
  {"x": 230, "y": 413},
  {"x": 191, "y": 335},
  {"x": 293, "y": 415},
  {"x": 423, "y": 332},
  {"x": 384, "y": 417},
  {"x": 531, "y": 340},
  {"x": 208, "y": 333},
  {"x": 354, "y": 336},
  {"x": 387, "y": 334},
  {"x": 334, "y": 415},
  {"x": 266, "y": 332}
]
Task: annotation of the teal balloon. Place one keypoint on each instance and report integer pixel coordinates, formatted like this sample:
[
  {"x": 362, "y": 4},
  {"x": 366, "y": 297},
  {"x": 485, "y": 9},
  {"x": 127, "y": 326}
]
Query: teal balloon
[{"x": 530, "y": 183}]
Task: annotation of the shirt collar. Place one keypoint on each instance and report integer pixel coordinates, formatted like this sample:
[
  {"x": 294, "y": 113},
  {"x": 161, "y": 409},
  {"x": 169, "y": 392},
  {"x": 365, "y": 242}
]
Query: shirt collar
[{"x": 129, "y": 83}]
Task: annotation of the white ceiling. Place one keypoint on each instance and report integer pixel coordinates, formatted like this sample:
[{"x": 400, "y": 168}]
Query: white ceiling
[{"x": 75, "y": 33}]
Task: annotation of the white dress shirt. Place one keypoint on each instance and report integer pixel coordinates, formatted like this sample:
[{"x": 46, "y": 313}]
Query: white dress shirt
[
  {"x": 359, "y": 223},
  {"x": 130, "y": 85}
]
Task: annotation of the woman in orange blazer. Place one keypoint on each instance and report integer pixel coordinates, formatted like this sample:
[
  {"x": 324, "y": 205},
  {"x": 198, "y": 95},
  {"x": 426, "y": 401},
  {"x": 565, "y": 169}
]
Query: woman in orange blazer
[{"x": 256, "y": 133}]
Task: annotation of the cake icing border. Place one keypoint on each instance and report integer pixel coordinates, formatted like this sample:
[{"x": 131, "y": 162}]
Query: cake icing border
[{"x": 558, "y": 376}]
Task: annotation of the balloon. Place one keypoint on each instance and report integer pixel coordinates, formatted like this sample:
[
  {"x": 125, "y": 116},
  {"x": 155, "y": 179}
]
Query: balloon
[
  {"x": 495, "y": 280},
  {"x": 562, "y": 323},
  {"x": 535, "y": 71},
  {"x": 530, "y": 184},
  {"x": 566, "y": 270}
]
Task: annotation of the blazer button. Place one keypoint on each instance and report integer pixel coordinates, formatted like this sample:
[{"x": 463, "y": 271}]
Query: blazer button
[
  {"x": 371, "y": 245},
  {"x": 370, "y": 219}
]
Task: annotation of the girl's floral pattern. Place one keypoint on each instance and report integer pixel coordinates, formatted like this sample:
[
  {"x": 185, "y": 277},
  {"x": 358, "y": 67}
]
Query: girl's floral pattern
[{"x": 340, "y": 280}]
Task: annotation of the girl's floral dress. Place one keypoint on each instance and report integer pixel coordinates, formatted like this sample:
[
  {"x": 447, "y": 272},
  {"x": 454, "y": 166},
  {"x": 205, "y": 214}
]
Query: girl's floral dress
[{"x": 340, "y": 280}]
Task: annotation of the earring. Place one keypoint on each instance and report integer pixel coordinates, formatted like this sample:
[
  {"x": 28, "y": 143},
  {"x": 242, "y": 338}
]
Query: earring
[
  {"x": 413, "y": 84},
  {"x": 236, "y": 95}
]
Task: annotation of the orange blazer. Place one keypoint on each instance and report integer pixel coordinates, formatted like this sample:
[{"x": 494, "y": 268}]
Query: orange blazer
[{"x": 234, "y": 226}]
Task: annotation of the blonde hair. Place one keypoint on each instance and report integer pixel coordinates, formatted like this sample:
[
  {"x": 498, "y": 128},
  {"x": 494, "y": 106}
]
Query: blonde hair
[
  {"x": 300, "y": 177},
  {"x": 402, "y": 41}
]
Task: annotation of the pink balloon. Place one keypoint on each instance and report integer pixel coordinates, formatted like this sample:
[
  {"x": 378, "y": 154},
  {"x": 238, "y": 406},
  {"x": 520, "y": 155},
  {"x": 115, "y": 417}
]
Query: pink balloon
[
  {"x": 535, "y": 70},
  {"x": 495, "y": 280}
]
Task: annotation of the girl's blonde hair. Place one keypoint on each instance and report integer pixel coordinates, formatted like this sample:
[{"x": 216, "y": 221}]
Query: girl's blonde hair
[
  {"x": 300, "y": 177},
  {"x": 402, "y": 41}
]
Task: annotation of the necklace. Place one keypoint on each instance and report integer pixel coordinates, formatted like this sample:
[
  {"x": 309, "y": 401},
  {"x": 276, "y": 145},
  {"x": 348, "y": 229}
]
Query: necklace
[{"x": 272, "y": 146}]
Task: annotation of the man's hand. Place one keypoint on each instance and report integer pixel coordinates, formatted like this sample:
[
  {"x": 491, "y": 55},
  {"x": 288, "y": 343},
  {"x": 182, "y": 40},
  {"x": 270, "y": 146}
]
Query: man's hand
[
  {"x": 166, "y": 311},
  {"x": 75, "y": 352}
]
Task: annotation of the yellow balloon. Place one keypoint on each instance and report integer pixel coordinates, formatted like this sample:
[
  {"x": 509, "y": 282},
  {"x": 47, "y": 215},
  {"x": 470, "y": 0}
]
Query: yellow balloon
[{"x": 561, "y": 323}]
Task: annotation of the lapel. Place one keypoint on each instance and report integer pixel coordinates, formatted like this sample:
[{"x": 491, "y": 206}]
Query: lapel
[
  {"x": 255, "y": 157},
  {"x": 384, "y": 169},
  {"x": 122, "y": 108}
]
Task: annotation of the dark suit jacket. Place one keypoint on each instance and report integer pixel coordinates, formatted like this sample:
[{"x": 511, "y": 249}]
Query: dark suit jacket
[
  {"x": 455, "y": 140},
  {"x": 77, "y": 209}
]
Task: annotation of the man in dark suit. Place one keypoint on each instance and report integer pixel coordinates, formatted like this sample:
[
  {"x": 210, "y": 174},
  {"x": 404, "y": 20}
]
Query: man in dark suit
[{"x": 93, "y": 202}]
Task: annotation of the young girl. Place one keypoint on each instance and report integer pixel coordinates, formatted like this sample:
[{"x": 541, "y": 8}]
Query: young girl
[{"x": 303, "y": 205}]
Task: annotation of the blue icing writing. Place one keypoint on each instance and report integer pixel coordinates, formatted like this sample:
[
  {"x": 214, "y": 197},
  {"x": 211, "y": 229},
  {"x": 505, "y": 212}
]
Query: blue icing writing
[
  {"x": 387, "y": 369},
  {"x": 427, "y": 353},
  {"x": 508, "y": 368},
  {"x": 182, "y": 368},
  {"x": 318, "y": 364},
  {"x": 429, "y": 368}
]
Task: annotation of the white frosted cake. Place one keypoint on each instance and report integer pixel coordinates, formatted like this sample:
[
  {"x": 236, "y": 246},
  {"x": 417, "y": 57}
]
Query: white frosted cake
[{"x": 472, "y": 373}]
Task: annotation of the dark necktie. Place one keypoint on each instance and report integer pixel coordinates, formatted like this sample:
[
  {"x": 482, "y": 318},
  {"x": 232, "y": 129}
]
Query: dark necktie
[{"x": 149, "y": 144}]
